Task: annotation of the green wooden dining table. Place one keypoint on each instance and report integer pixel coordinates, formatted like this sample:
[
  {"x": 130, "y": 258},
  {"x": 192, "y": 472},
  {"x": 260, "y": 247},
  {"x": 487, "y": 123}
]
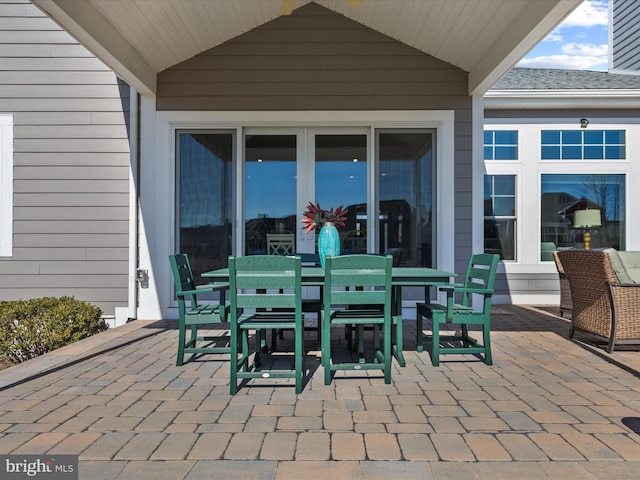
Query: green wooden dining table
[{"x": 401, "y": 277}]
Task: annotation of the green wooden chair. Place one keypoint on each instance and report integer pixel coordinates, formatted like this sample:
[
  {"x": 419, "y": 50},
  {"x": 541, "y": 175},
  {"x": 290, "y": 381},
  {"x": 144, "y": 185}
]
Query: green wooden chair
[
  {"x": 371, "y": 277},
  {"x": 479, "y": 279},
  {"x": 265, "y": 295},
  {"x": 193, "y": 314},
  {"x": 309, "y": 305}
]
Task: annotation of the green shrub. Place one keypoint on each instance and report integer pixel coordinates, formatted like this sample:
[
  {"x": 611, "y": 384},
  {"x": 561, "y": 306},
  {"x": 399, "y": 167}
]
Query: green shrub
[{"x": 29, "y": 328}]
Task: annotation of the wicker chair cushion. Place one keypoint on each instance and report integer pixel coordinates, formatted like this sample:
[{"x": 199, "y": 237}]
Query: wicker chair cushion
[
  {"x": 617, "y": 265},
  {"x": 631, "y": 263}
]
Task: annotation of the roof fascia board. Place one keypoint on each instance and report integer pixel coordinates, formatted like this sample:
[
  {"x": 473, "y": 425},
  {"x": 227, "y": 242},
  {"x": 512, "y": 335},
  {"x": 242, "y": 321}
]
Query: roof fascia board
[
  {"x": 557, "y": 99},
  {"x": 624, "y": 72},
  {"x": 87, "y": 25},
  {"x": 535, "y": 21}
]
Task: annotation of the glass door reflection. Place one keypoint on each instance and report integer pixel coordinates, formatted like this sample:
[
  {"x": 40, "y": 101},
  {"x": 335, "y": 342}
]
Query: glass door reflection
[
  {"x": 270, "y": 194},
  {"x": 341, "y": 179}
]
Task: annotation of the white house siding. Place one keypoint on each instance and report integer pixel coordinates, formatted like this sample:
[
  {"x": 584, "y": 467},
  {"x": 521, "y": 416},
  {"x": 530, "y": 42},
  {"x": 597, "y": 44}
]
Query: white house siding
[
  {"x": 316, "y": 59},
  {"x": 71, "y": 164}
]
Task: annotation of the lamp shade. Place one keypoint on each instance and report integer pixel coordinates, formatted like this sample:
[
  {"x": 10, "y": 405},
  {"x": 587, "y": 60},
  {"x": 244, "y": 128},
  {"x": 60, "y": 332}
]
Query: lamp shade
[{"x": 586, "y": 218}]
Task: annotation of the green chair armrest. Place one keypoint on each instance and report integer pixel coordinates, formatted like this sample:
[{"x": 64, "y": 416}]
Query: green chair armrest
[
  {"x": 452, "y": 289},
  {"x": 200, "y": 289}
]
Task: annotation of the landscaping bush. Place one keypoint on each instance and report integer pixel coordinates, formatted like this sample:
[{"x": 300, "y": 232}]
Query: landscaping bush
[{"x": 29, "y": 328}]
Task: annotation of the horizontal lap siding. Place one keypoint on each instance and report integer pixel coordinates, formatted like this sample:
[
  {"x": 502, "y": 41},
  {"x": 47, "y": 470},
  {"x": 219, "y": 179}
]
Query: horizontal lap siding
[
  {"x": 71, "y": 165},
  {"x": 316, "y": 59},
  {"x": 626, "y": 35}
]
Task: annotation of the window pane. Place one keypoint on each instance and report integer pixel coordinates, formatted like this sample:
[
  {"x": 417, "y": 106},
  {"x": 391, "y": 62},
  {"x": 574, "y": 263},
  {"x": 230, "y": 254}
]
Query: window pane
[
  {"x": 504, "y": 185},
  {"x": 204, "y": 163},
  {"x": 563, "y": 194},
  {"x": 341, "y": 179},
  {"x": 593, "y": 137},
  {"x": 550, "y": 137},
  {"x": 506, "y": 137},
  {"x": 501, "y": 145},
  {"x": 499, "y": 237},
  {"x": 593, "y": 153},
  {"x": 506, "y": 153},
  {"x": 571, "y": 153},
  {"x": 615, "y": 153},
  {"x": 571, "y": 137},
  {"x": 614, "y": 136},
  {"x": 270, "y": 189},
  {"x": 504, "y": 206},
  {"x": 550, "y": 153},
  {"x": 406, "y": 196},
  {"x": 499, "y": 211}
]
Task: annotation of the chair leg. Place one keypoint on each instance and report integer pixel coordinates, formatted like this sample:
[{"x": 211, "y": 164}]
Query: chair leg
[
  {"x": 181, "y": 339},
  {"x": 397, "y": 339},
  {"x": 233, "y": 362},
  {"x": 319, "y": 329},
  {"x": 466, "y": 341},
  {"x": 488, "y": 358},
  {"x": 435, "y": 347},
  {"x": 348, "y": 335},
  {"x": 388, "y": 353},
  {"x": 299, "y": 357},
  {"x": 360, "y": 340},
  {"x": 326, "y": 351},
  {"x": 419, "y": 335}
]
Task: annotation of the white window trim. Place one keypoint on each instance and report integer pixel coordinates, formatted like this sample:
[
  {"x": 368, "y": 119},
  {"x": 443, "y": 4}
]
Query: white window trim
[
  {"x": 158, "y": 159},
  {"x": 529, "y": 171},
  {"x": 6, "y": 185}
]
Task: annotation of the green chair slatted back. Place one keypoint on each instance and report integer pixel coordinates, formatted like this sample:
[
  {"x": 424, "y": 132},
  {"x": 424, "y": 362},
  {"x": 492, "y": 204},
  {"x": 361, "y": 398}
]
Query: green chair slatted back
[
  {"x": 362, "y": 282},
  {"x": 479, "y": 280},
  {"x": 265, "y": 294},
  {"x": 193, "y": 314},
  {"x": 309, "y": 304}
]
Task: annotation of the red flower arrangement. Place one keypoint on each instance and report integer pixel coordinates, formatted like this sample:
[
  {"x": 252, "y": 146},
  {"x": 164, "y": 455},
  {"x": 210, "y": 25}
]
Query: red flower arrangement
[{"x": 316, "y": 216}]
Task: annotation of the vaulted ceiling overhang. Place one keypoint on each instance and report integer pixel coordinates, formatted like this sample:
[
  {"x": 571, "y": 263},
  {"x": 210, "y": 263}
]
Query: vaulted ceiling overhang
[{"x": 139, "y": 38}]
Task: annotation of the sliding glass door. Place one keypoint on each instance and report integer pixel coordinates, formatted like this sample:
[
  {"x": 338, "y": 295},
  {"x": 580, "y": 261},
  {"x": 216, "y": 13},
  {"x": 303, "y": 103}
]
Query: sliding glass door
[
  {"x": 204, "y": 172},
  {"x": 383, "y": 177}
]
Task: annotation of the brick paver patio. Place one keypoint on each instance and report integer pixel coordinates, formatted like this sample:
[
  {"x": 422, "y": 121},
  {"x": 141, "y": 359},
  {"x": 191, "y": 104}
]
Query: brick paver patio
[{"x": 549, "y": 408}]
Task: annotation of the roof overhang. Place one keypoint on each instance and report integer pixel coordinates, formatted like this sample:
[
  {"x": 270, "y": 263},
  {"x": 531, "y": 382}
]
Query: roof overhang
[{"x": 138, "y": 39}]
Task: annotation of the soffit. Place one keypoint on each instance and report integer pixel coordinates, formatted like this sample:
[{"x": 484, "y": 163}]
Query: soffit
[{"x": 140, "y": 38}]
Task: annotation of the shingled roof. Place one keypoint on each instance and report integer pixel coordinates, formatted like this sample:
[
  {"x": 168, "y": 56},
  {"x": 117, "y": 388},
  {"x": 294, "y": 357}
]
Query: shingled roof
[{"x": 560, "y": 79}]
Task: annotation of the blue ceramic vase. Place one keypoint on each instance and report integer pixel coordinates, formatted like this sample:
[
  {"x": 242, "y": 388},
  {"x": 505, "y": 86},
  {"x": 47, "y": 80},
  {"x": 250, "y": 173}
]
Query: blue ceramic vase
[{"x": 328, "y": 242}]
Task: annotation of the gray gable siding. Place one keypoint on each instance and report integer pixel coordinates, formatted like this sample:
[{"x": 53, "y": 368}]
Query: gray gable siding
[
  {"x": 316, "y": 59},
  {"x": 625, "y": 24},
  {"x": 71, "y": 164}
]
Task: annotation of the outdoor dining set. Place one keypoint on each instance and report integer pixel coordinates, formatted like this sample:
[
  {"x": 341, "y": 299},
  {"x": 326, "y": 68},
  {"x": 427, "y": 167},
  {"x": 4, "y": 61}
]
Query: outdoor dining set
[{"x": 361, "y": 294}]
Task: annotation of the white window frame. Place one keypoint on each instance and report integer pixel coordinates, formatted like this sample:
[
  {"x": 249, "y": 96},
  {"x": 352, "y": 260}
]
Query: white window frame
[
  {"x": 529, "y": 169},
  {"x": 6, "y": 185}
]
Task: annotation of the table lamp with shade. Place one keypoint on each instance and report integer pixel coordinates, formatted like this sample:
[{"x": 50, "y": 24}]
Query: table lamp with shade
[{"x": 586, "y": 219}]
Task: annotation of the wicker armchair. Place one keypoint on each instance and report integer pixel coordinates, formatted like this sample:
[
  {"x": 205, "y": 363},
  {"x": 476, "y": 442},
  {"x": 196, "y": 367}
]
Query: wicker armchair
[
  {"x": 565, "y": 289},
  {"x": 602, "y": 305}
]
